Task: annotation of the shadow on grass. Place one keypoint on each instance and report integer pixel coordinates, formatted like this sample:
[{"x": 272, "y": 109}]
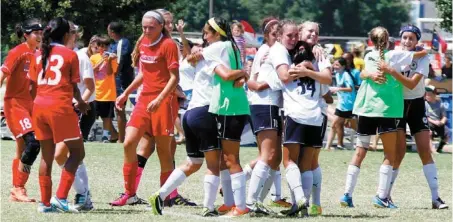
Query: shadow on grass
[
  {"x": 354, "y": 216},
  {"x": 116, "y": 211}
]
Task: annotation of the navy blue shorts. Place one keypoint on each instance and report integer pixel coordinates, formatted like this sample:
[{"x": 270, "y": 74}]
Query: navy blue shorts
[
  {"x": 305, "y": 135},
  {"x": 231, "y": 127},
  {"x": 414, "y": 116},
  {"x": 265, "y": 117},
  {"x": 200, "y": 128}
]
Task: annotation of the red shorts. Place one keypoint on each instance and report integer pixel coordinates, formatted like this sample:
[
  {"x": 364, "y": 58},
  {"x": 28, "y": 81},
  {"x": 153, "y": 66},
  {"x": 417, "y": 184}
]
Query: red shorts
[
  {"x": 158, "y": 123},
  {"x": 18, "y": 116},
  {"x": 61, "y": 124}
]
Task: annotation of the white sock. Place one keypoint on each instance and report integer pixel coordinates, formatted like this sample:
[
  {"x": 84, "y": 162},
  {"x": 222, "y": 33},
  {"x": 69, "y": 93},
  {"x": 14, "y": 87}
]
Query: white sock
[
  {"x": 394, "y": 175},
  {"x": 317, "y": 181},
  {"x": 80, "y": 184},
  {"x": 385, "y": 177},
  {"x": 247, "y": 171},
  {"x": 175, "y": 179},
  {"x": 211, "y": 184},
  {"x": 293, "y": 197},
  {"x": 295, "y": 182},
  {"x": 238, "y": 185},
  {"x": 259, "y": 176},
  {"x": 307, "y": 183},
  {"x": 225, "y": 179},
  {"x": 351, "y": 179},
  {"x": 276, "y": 189},
  {"x": 430, "y": 171},
  {"x": 267, "y": 185}
]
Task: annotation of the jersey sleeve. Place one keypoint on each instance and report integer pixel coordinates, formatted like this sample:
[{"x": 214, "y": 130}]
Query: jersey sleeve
[
  {"x": 171, "y": 55},
  {"x": 86, "y": 69},
  {"x": 214, "y": 51},
  {"x": 33, "y": 70},
  {"x": 74, "y": 67},
  {"x": 11, "y": 61},
  {"x": 271, "y": 77},
  {"x": 423, "y": 66},
  {"x": 324, "y": 64},
  {"x": 279, "y": 56},
  {"x": 399, "y": 59},
  {"x": 324, "y": 89}
]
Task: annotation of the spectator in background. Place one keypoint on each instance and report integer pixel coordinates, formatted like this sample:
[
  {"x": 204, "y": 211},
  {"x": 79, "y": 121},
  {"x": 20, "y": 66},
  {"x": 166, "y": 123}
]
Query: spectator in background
[
  {"x": 437, "y": 117},
  {"x": 446, "y": 69},
  {"x": 431, "y": 73},
  {"x": 359, "y": 63},
  {"x": 238, "y": 34},
  {"x": 355, "y": 73},
  {"x": 248, "y": 64},
  {"x": 121, "y": 50},
  {"x": 92, "y": 47}
]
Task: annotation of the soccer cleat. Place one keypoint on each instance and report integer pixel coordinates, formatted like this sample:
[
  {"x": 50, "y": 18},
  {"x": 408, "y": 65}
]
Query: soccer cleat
[
  {"x": 280, "y": 203},
  {"x": 439, "y": 204},
  {"x": 258, "y": 209},
  {"x": 224, "y": 209},
  {"x": 62, "y": 205},
  {"x": 179, "y": 201},
  {"x": 391, "y": 204},
  {"x": 19, "y": 194},
  {"x": 381, "y": 203},
  {"x": 301, "y": 208},
  {"x": 46, "y": 209},
  {"x": 346, "y": 201},
  {"x": 315, "y": 210},
  {"x": 157, "y": 204},
  {"x": 125, "y": 199},
  {"x": 82, "y": 202},
  {"x": 208, "y": 213},
  {"x": 236, "y": 212}
]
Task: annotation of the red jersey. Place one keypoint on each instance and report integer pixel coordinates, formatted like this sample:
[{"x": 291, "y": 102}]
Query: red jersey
[
  {"x": 62, "y": 70},
  {"x": 156, "y": 61},
  {"x": 16, "y": 67}
]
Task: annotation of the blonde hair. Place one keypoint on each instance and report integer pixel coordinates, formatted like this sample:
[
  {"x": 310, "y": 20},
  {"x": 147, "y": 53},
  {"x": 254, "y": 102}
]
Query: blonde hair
[
  {"x": 136, "y": 52},
  {"x": 239, "y": 25},
  {"x": 307, "y": 23},
  {"x": 94, "y": 40},
  {"x": 283, "y": 23},
  {"x": 379, "y": 36}
]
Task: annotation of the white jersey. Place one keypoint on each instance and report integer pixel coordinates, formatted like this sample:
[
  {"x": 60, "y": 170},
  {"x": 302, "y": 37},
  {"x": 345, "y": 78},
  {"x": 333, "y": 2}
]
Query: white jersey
[
  {"x": 203, "y": 82},
  {"x": 323, "y": 104},
  {"x": 418, "y": 66},
  {"x": 186, "y": 75},
  {"x": 86, "y": 72},
  {"x": 265, "y": 73}
]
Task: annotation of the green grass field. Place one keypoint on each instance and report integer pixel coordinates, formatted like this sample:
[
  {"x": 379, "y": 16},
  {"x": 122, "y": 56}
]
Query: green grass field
[{"x": 104, "y": 163}]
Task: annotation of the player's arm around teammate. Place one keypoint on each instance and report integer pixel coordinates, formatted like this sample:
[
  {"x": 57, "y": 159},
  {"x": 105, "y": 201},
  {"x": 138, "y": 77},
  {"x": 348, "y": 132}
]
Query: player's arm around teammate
[{"x": 18, "y": 105}]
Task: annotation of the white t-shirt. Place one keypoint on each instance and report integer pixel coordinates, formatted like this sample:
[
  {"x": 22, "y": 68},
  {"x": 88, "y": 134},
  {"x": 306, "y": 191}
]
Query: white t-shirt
[
  {"x": 86, "y": 72},
  {"x": 418, "y": 66},
  {"x": 186, "y": 75},
  {"x": 217, "y": 52},
  {"x": 202, "y": 93},
  {"x": 266, "y": 73}
]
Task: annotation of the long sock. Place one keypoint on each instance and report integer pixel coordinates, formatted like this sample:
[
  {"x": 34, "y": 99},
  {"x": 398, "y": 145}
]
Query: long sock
[
  {"x": 67, "y": 178},
  {"x": 430, "y": 171},
  {"x": 276, "y": 189},
  {"x": 238, "y": 185},
  {"x": 211, "y": 184},
  {"x": 307, "y": 183},
  {"x": 317, "y": 181},
  {"x": 259, "y": 176},
  {"x": 394, "y": 175},
  {"x": 225, "y": 179},
  {"x": 15, "y": 169},
  {"x": 267, "y": 185},
  {"x": 130, "y": 173},
  {"x": 141, "y": 166},
  {"x": 163, "y": 178},
  {"x": 385, "y": 177},
  {"x": 22, "y": 178},
  {"x": 295, "y": 182},
  {"x": 175, "y": 179},
  {"x": 293, "y": 197},
  {"x": 80, "y": 184},
  {"x": 45, "y": 185},
  {"x": 247, "y": 171},
  {"x": 351, "y": 179}
]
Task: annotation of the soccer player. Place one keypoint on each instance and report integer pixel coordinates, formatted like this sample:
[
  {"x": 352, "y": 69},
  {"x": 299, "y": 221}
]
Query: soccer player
[
  {"x": 156, "y": 110},
  {"x": 379, "y": 103},
  {"x": 18, "y": 105},
  {"x": 412, "y": 77},
  {"x": 56, "y": 74}
]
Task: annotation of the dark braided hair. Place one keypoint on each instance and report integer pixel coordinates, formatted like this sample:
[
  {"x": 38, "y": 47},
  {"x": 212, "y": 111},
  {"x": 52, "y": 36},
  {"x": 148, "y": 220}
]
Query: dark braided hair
[
  {"x": 55, "y": 31},
  {"x": 223, "y": 24}
]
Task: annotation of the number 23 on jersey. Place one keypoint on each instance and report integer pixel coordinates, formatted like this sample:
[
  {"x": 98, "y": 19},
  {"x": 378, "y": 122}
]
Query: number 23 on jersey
[{"x": 55, "y": 68}]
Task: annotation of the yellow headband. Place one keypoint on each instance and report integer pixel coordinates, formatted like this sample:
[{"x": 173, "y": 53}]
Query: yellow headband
[{"x": 216, "y": 27}]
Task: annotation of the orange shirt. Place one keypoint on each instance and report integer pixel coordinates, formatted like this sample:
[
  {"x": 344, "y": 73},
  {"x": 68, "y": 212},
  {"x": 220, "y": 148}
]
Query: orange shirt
[
  {"x": 156, "y": 59},
  {"x": 105, "y": 82},
  {"x": 55, "y": 89},
  {"x": 16, "y": 67}
]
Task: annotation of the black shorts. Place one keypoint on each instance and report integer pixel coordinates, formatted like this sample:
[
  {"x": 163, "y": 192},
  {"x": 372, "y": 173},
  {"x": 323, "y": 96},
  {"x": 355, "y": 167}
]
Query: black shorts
[
  {"x": 324, "y": 127},
  {"x": 343, "y": 114},
  {"x": 414, "y": 116},
  {"x": 231, "y": 127},
  {"x": 306, "y": 135},
  {"x": 86, "y": 121},
  {"x": 200, "y": 128},
  {"x": 437, "y": 131},
  {"x": 265, "y": 117},
  {"x": 105, "y": 109},
  {"x": 368, "y": 126}
]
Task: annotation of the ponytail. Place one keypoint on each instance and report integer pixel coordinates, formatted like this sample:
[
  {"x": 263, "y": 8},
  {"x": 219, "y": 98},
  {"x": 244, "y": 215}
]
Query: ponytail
[
  {"x": 136, "y": 52},
  {"x": 54, "y": 32},
  {"x": 225, "y": 35},
  {"x": 19, "y": 32},
  {"x": 45, "y": 48}
]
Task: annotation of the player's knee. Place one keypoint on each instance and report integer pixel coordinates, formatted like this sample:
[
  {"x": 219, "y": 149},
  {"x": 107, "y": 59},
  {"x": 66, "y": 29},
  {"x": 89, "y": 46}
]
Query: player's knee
[{"x": 32, "y": 148}]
